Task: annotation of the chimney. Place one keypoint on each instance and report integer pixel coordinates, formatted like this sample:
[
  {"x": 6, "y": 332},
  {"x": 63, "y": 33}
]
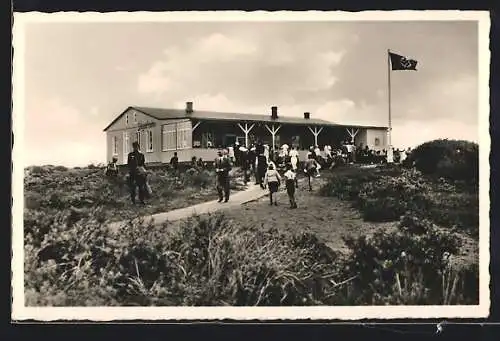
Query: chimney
[
  {"x": 307, "y": 115},
  {"x": 274, "y": 113},
  {"x": 189, "y": 107}
]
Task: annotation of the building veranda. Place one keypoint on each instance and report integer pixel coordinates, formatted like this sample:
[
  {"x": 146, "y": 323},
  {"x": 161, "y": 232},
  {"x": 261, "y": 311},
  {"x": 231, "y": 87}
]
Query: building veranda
[{"x": 193, "y": 133}]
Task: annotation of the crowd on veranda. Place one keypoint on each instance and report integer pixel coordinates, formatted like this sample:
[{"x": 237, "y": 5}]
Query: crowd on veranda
[{"x": 269, "y": 168}]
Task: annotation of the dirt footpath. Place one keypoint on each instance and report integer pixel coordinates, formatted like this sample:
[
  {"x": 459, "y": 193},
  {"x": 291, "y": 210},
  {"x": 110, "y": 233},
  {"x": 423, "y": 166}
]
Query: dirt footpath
[{"x": 328, "y": 218}]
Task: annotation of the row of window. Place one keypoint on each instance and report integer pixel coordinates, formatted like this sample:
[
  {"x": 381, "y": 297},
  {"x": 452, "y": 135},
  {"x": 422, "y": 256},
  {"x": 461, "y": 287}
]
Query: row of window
[{"x": 174, "y": 136}]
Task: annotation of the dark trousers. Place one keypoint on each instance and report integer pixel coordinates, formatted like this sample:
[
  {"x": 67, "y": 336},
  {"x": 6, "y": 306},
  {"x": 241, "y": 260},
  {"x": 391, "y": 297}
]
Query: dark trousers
[
  {"x": 136, "y": 180},
  {"x": 223, "y": 187},
  {"x": 261, "y": 173},
  {"x": 350, "y": 157},
  {"x": 246, "y": 175},
  {"x": 309, "y": 173},
  {"x": 290, "y": 190}
]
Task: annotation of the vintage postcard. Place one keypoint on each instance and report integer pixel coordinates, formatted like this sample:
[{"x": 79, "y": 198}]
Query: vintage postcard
[{"x": 250, "y": 165}]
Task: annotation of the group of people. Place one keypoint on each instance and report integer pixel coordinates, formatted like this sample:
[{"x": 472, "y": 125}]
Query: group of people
[
  {"x": 369, "y": 156},
  {"x": 268, "y": 168},
  {"x": 137, "y": 174},
  {"x": 255, "y": 160}
]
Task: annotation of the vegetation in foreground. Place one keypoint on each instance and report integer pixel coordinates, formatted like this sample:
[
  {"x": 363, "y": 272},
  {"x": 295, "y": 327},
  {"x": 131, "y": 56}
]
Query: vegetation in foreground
[{"x": 209, "y": 261}]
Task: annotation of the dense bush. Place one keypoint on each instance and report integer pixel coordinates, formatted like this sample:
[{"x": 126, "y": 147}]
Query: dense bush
[
  {"x": 450, "y": 159},
  {"x": 387, "y": 194},
  {"x": 210, "y": 261},
  {"x": 412, "y": 265},
  {"x": 388, "y": 198},
  {"x": 207, "y": 261},
  {"x": 348, "y": 182}
]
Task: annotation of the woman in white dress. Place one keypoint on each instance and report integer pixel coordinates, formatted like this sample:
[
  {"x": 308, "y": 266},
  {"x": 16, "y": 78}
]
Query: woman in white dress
[
  {"x": 317, "y": 151},
  {"x": 230, "y": 150},
  {"x": 294, "y": 158},
  {"x": 327, "y": 151}
]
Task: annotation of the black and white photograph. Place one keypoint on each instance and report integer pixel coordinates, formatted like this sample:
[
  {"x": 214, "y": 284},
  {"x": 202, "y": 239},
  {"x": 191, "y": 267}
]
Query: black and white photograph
[{"x": 250, "y": 165}]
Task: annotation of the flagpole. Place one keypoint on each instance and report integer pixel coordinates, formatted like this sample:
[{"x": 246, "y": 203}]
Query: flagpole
[{"x": 389, "y": 131}]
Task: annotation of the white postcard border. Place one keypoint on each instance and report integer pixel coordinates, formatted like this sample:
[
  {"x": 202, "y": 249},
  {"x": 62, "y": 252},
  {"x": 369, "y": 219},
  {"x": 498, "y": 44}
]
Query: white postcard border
[{"x": 20, "y": 312}]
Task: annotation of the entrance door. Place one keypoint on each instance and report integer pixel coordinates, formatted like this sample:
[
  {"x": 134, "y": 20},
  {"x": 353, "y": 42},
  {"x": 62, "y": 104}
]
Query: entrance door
[
  {"x": 241, "y": 140},
  {"x": 229, "y": 140}
]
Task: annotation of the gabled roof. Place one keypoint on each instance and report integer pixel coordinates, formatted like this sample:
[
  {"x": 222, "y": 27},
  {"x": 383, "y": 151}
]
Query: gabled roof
[{"x": 169, "y": 114}]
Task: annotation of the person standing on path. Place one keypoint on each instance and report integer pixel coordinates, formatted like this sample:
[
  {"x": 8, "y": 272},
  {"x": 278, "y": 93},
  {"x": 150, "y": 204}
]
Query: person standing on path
[
  {"x": 291, "y": 184},
  {"x": 272, "y": 180},
  {"x": 137, "y": 173},
  {"x": 222, "y": 168},
  {"x": 174, "y": 162},
  {"x": 245, "y": 164},
  {"x": 261, "y": 169},
  {"x": 252, "y": 160}
]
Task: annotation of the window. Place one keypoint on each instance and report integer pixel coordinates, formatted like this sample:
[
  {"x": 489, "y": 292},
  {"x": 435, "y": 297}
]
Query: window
[
  {"x": 125, "y": 143},
  {"x": 377, "y": 141},
  {"x": 126, "y": 119},
  {"x": 168, "y": 137},
  {"x": 115, "y": 145},
  {"x": 135, "y": 117},
  {"x": 138, "y": 138},
  {"x": 149, "y": 134},
  {"x": 184, "y": 133}
]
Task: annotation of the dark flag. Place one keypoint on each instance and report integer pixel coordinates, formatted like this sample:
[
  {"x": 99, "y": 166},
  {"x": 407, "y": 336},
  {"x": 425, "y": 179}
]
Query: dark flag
[{"x": 402, "y": 63}]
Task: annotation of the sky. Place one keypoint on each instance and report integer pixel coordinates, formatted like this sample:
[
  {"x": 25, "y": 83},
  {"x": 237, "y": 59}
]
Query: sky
[{"x": 80, "y": 76}]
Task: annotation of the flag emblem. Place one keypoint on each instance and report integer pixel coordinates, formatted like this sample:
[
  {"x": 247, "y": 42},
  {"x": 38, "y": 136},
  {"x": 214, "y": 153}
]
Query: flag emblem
[{"x": 399, "y": 62}]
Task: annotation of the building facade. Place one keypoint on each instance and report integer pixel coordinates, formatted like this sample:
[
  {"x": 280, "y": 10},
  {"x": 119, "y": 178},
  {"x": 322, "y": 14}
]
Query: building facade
[{"x": 161, "y": 132}]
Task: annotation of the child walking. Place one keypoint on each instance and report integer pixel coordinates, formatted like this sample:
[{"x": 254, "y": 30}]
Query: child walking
[
  {"x": 310, "y": 168},
  {"x": 291, "y": 184},
  {"x": 273, "y": 181}
]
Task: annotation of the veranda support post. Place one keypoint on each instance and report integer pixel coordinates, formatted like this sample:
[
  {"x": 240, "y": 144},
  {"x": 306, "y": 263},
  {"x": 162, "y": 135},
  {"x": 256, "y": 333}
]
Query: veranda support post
[
  {"x": 246, "y": 130},
  {"x": 273, "y": 130},
  {"x": 352, "y": 133},
  {"x": 315, "y": 132}
]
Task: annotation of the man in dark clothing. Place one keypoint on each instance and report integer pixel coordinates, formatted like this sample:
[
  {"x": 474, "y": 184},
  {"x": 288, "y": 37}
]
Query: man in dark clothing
[
  {"x": 200, "y": 163},
  {"x": 137, "y": 173},
  {"x": 245, "y": 165},
  {"x": 174, "y": 162},
  {"x": 237, "y": 154},
  {"x": 222, "y": 168},
  {"x": 252, "y": 157},
  {"x": 259, "y": 148},
  {"x": 261, "y": 169}
]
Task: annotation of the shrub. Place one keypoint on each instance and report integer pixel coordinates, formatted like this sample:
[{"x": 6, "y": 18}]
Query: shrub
[
  {"x": 409, "y": 266},
  {"x": 388, "y": 198},
  {"x": 459, "y": 210},
  {"x": 200, "y": 179},
  {"x": 206, "y": 261},
  {"x": 450, "y": 159},
  {"x": 60, "y": 168},
  {"x": 388, "y": 193},
  {"x": 210, "y": 261},
  {"x": 347, "y": 183}
]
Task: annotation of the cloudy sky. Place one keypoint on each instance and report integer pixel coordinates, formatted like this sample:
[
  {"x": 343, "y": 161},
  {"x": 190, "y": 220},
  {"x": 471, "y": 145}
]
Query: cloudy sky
[{"x": 79, "y": 76}]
